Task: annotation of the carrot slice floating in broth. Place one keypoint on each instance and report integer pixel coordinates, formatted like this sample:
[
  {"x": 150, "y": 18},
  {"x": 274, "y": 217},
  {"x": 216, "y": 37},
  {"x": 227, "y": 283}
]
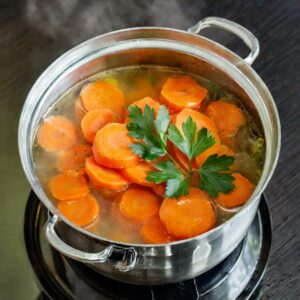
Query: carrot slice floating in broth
[
  {"x": 159, "y": 189},
  {"x": 138, "y": 173},
  {"x": 72, "y": 161},
  {"x": 81, "y": 212},
  {"x": 104, "y": 177},
  {"x": 101, "y": 94},
  {"x": 243, "y": 189},
  {"x": 201, "y": 121},
  {"x": 93, "y": 121},
  {"x": 64, "y": 187},
  {"x": 154, "y": 232},
  {"x": 227, "y": 117},
  {"x": 111, "y": 147},
  {"x": 147, "y": 101},
  {"x": 138, "y": 205},
  {"x": 182, "y": 92},
  {"x": 57, "y": 133},
  {"x": 189, "y": 215}
]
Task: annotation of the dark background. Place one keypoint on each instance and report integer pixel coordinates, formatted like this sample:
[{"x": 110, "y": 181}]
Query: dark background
[{"x": 33, "y": 33}]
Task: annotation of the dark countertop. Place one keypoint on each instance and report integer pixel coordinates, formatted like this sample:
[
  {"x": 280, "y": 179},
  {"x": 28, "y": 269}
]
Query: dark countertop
[{"x": 34, "y": 32}]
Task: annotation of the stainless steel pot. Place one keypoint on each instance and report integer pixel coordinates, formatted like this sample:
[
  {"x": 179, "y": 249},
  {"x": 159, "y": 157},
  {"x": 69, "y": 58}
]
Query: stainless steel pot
[{"x": 166, "y": 263}]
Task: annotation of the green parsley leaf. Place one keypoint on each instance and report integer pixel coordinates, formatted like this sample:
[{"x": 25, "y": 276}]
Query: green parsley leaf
[
  {"x": 176, "y": 183},
  {"x": 204, "y": 140},
  {"x": 187, "y": 144},
  {"x": 162, "y": 122},
  {"x": 141, "y": 126},
  {"x": 213, "y": 178},
  {"x": 145, "y": 152}
]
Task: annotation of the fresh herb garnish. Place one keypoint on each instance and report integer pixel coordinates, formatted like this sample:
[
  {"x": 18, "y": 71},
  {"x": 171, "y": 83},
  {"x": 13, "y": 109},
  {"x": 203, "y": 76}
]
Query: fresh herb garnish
[
  {"x": 176, "y": 181},
  {"x": 213, "y": 178},
  {"x": 154, "y": 134},
  {"x": 187, "y": 144}
]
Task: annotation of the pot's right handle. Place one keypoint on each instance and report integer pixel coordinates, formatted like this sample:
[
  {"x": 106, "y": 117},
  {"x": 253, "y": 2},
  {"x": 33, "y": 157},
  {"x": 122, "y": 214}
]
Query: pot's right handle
[
  {"x": 249, "y": 39},
  {"x": 126, "y": 264}
]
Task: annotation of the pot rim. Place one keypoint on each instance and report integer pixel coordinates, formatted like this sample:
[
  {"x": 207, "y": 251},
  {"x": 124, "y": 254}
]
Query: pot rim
[{"x": 237, "y": 60}]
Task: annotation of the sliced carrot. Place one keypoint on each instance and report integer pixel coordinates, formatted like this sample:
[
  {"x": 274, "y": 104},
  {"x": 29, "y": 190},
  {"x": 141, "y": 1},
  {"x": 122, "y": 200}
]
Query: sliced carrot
[
  {"x": 57, "y": 133},
  {"x": 104, "y": 177},
  {"x": 138, "y": 205},
  {"x": 182, "y": 92},
  {"x": 72, "y": 161},
  {"x": 227, "y": 117},
  {"x": 241, "y": 193},
  {"x": 201, "y": 121},
  {"x": 159, "y": 189},
  {"x": 111, "y": 147},
  {"x": 141, "y": 104},
  {"x": 101, "y": 94},
  {"x": 64, "y": 187},
  {"x": 94, "y": 120},
  {"x": 146, "y": 101},
  {"x": 123, "y": 223},
  {"x": 79, "y": 110},
  {"x": 154, "y": 232},
  {"x": 138, "y": 173},
  {"x": 189, "y": 215},
  {"x": 81, "y": 212}
]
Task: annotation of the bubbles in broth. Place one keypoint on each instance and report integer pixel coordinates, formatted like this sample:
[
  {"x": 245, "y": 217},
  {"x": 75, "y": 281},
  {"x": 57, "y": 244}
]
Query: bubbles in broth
[{"x": 136, "y": 83}]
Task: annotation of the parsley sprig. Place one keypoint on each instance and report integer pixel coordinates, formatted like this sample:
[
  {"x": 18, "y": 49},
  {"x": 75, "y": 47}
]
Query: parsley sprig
[{"x": 153, "y": 134}]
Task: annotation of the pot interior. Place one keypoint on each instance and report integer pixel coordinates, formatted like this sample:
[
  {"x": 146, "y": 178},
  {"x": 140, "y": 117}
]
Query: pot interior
[{"x": 159, "y": 47}]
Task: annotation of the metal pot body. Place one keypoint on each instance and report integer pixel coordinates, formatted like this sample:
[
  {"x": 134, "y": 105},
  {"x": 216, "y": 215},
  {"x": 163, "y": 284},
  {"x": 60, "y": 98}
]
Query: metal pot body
[{"x": 166, "y": 263}]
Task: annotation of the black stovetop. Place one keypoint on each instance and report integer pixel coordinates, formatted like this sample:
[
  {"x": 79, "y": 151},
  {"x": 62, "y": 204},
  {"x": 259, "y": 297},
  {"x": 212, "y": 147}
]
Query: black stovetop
[{"x": 239, "y": 276}]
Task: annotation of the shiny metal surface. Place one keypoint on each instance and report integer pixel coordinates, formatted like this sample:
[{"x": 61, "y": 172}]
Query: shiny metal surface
[
  {"x": 250, "y": 40},
  {"x": 235, "y": 278},
  {"x": 180, "y": 260}
]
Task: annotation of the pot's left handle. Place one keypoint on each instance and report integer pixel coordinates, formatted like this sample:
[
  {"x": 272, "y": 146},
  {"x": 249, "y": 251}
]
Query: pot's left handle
[{"x": 129, "y": 254}]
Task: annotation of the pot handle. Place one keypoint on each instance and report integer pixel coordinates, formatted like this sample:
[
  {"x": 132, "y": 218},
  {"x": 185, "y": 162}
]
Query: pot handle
[
  {"x": 249, "y": 39},
  {"x": 129, "y": 254}
]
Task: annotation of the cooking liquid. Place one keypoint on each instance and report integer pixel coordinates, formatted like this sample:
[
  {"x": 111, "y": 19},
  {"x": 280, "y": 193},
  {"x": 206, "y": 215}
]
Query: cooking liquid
[{"x": 136, "y": 83}]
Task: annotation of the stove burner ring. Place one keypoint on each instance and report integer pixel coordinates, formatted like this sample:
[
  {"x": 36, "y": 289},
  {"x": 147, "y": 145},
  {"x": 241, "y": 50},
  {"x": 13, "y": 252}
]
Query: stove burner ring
[{"x": 62, "y": 278}]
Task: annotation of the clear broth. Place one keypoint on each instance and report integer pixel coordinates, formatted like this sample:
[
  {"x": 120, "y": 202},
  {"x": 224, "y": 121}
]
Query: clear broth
[{"x": 136, "y": 83}]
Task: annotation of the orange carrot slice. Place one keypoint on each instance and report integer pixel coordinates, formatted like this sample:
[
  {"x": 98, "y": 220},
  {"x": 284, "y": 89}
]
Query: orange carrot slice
[
  {"x": 141, "y": 104},
  {"x": 182, "y": 92},
  {"x": 93, "y": 121},
  {"x": 57, "y": 133},
  {"x": 81, "y": 212},
  {"x": 111, "y": 147},
  {"x": 101, "y": 94},
  {"x": 138, "y": 173},
  {"x": 189, "y": 215},
  {"x": 122, "y": 222},
  {"x": 104, "y": 177},
  {"x": 138, "y": 205},
  {"x": 201, "y": 121},
  {"x": 239, "y": 195},
  {"x": 227, "y": 117},
  {"x": 154, "y": 232},
  {"x": 159, "y": 189},
  {"x": 72, "y": 161},
  {"x": 64, "y": 187},
  {"x": 146, "y": 101}
]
